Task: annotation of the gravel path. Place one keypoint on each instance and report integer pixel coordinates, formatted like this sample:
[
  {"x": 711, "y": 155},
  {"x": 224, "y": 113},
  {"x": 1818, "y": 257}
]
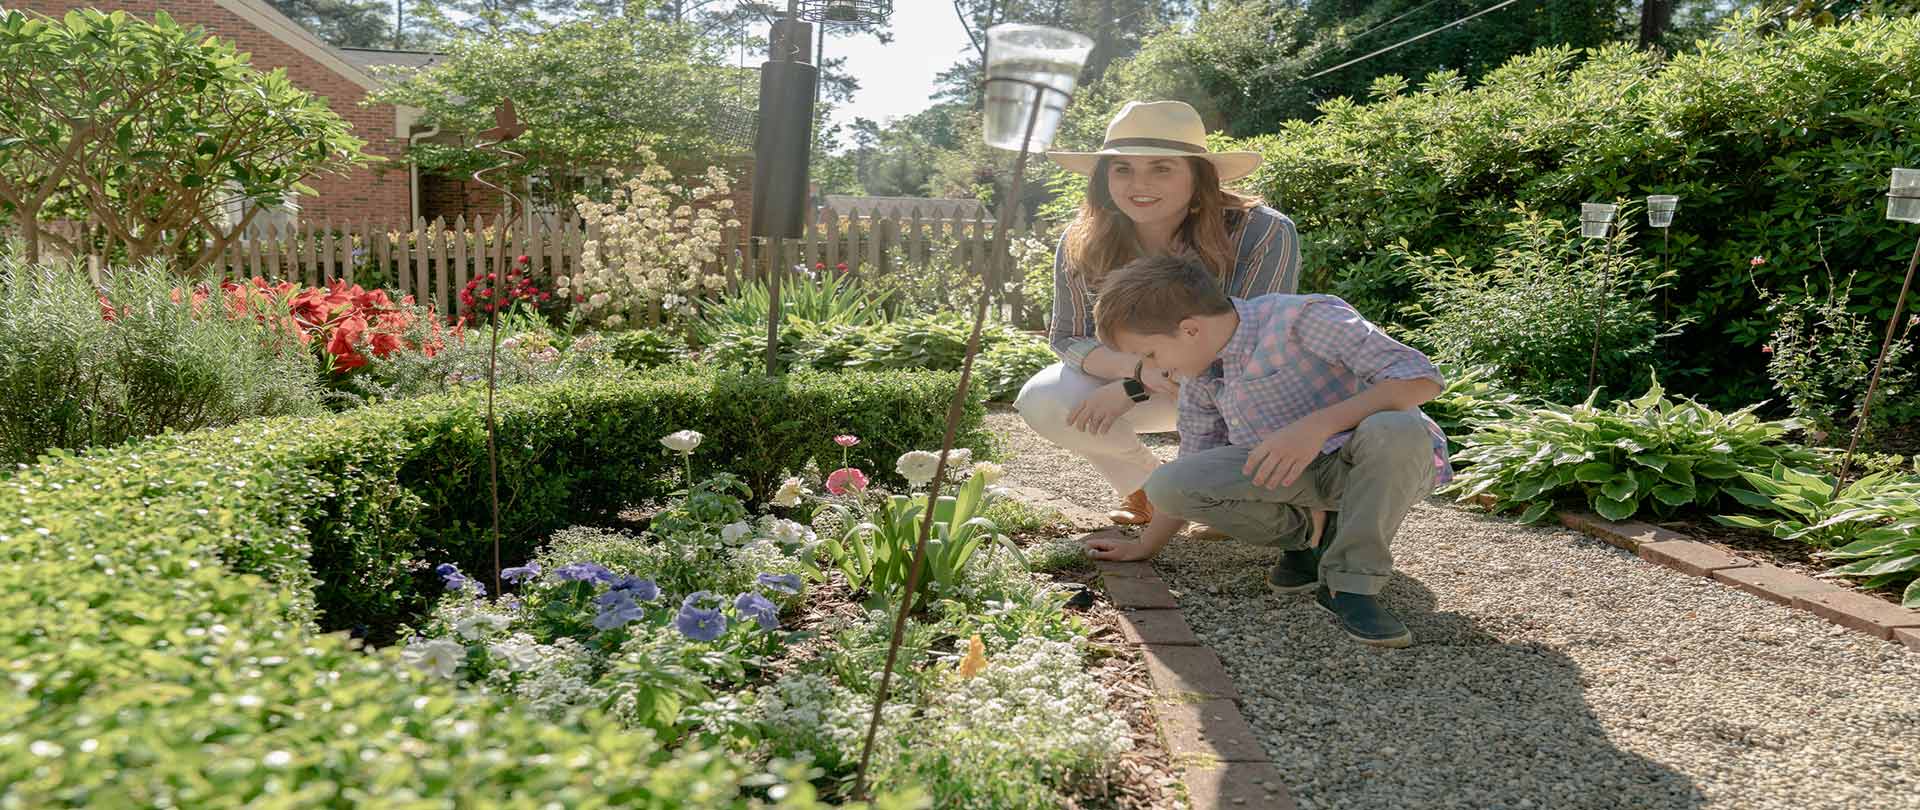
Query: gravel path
[{"x": 1550, "y": 671}]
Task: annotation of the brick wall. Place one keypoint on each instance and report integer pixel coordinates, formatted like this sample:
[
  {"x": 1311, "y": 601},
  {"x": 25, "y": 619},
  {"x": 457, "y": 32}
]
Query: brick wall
[
  {"x": 380, "y": 193},
  {"x": 447, "y": 197}
]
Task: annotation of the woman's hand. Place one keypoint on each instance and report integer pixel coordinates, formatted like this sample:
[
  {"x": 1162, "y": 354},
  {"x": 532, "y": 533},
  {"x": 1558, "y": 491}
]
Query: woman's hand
[
  {"x": 1096, "y": 413},
  {"x": 1158, "y": 380}
]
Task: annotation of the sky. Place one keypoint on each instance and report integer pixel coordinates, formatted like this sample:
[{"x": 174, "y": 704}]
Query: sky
[{"x": 897, "y": 79}]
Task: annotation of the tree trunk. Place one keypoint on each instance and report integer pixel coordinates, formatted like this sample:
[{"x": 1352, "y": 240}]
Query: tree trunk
[
  {"x": 29, "y": 223},
  {"x": 1655, "y": 16}
]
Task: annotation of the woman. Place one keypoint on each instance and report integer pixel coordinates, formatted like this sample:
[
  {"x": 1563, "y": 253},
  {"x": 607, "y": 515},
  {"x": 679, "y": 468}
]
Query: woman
[{"x": 1152, "y": 189}]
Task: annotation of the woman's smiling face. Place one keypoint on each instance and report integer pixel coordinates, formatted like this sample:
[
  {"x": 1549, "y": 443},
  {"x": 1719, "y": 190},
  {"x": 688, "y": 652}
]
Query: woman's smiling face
[{"x": 1151, "y": 190}]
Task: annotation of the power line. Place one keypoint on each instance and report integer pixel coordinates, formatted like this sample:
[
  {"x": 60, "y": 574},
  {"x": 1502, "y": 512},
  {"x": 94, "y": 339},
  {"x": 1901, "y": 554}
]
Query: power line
[
  {"x": 1416, "y": 9},
  {"x": 1410, "y": 40}
]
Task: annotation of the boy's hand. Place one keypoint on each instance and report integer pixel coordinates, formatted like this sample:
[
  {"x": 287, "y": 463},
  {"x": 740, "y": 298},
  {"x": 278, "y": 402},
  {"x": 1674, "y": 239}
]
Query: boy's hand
[
  {"x": 1096, "y": 413},
  {"x": 1280, "y": 458},
  {"x": 1118, "y": 547},
  {"x": 1158, "y": 380}
]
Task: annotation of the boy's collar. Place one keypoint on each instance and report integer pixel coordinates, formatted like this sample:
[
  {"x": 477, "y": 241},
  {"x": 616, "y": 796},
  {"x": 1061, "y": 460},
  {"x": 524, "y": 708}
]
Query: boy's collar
[{"x": 1245, "y": 336}]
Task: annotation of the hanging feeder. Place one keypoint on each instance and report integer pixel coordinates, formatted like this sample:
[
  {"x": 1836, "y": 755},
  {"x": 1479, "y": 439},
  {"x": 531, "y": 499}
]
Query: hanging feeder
[{"x": 852, "y": 13}]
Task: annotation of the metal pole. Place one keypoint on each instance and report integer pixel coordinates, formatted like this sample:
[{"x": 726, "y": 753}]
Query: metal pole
[
  {"x": 1001, "y": 223},
  {"x": 1873, "y": 381}
]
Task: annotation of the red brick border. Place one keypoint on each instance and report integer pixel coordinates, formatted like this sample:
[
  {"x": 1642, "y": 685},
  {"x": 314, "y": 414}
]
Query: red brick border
[
  {"x": 1856, "y": 611},
  {"x": 1196, "y": 705}
]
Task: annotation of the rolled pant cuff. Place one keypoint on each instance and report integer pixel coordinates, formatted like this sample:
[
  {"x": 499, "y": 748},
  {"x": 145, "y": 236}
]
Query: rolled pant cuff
[{"x": 1368, "y": 584}]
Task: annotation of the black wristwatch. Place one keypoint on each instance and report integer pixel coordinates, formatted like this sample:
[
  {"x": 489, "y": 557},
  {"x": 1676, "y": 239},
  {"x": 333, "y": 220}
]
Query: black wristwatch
[{"x": 1136, "y": 390}]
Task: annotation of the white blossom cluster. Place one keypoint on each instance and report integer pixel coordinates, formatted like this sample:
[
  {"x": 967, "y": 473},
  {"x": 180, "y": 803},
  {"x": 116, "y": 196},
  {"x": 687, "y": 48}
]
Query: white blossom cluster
[
  {"x": 548, "y": 678},
  {"x": 651, "y": 247},
  {"x": 809, "y": 713},
  {"x": 1036, "y": 698}
]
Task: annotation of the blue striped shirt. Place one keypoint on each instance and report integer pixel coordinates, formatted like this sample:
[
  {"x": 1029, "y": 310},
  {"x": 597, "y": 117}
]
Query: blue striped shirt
[{"x": 1267, "y": 261}]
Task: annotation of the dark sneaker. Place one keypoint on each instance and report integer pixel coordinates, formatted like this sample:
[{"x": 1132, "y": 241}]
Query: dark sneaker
[
  {"x": 1297, "y": 572},
  {"x": 1364, "y": 618}
]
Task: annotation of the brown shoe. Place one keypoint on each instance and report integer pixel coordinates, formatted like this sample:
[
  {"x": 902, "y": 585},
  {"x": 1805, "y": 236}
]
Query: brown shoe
[
  {"x": 1134, "y": 511},
  {"x": 1203, "y": 531}
]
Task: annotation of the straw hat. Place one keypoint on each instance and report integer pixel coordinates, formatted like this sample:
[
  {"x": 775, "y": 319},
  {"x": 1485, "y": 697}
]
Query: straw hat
[{"x": 1160, "y": 128}]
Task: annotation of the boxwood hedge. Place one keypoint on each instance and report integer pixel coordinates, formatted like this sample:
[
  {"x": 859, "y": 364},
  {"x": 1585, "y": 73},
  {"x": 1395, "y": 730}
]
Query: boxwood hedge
[{"x": 162, "y": 602}]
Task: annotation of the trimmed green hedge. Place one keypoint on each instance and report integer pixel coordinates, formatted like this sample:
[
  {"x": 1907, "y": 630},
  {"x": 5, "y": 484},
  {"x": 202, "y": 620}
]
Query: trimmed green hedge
[{"x": 160, "y": 612}]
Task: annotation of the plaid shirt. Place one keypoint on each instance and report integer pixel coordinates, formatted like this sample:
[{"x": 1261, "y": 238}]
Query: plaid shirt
[
  {"x": 1293, "y": 355},
  {"x": 1267, "y": 260}
]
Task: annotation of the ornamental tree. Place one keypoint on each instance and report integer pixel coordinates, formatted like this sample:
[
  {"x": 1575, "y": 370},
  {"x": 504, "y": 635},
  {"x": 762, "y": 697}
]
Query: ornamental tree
[{"x": 152, "y": 129}]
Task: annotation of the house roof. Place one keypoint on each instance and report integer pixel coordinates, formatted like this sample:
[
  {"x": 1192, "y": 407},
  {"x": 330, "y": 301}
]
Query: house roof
[
  {"x": 268, "y": 19},
  {"x": 368, "y": 58},
  {"x": 943, "y": 207}
]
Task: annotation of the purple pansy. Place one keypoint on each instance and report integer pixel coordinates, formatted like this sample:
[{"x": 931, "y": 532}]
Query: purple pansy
[
  {"x": 700, "y": 623},
  {"x": 758, "y": 608},
  {"x": 642, "y": 589},
  {"x": 456, "y": 581},
  {"x": 779, "y": 583},
  {"x": 583, "y": 572},
  {"x": 616, "y": 609}
]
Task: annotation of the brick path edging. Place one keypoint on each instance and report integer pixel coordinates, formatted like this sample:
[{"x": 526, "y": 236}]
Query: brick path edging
[
  {"x": 1849, "y": 609},
  {"x": 1195, "y": 703}
]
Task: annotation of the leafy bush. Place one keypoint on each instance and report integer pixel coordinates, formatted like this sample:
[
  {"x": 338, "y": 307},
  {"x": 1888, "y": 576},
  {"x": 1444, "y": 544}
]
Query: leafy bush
[
  {"x": 652, "y": 248},
  {"x": 157, "y": 591},
  {"x": 77, "y": 373},
  {"x": 1874, "y": 521},
  {"x": 1821, "y": 355},
  {"x": 463, "y": 359},
  {"x": 1648, "y": 454},
  {"x": 1473, "y": 397},
  {"x": 1533, "y": 315},
  {"x": 1008, "y": 357},
  {"x": 830, "y": 300},
  {"x": 1007, "y": 365},
  {"x": 643, "y": 348},
  {"x": 1770, "y": 135}
]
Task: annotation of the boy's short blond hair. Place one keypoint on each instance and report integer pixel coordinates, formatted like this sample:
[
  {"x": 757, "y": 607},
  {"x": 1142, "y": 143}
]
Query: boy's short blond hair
[{"x": 1152, "y": 295}]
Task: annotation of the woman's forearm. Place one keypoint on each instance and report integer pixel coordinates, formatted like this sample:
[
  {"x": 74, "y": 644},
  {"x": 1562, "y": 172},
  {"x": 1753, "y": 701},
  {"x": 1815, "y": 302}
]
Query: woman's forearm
[{"x": 1109, "y": 364}]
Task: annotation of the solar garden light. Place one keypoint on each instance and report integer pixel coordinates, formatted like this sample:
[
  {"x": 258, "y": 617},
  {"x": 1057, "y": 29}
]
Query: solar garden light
[
  {"x": 1660, "y": 208},
  {"x": 1903, "y": 205},
  {"x": 1031, "y": 72},
  {"x": 1596, "y": 220}
]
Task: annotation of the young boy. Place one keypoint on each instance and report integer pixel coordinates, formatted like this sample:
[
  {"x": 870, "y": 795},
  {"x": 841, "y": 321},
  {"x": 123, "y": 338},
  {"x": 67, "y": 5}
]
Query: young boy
[{"x": 1289, "y": 405}]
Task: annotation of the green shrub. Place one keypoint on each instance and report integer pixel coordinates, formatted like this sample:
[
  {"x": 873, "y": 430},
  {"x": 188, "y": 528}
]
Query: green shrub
[
  {"x": 1772, "y": 139},
  {"x": 1006, "y": 366},
  {"x": 643, "y": 348},
  {"x": 1821, "y": 355},
  {"x": 71, "y": 378},
  {"x": 523, "y": 357},
  {"x": 146, "y": 670},
  {"x": 1875, "y": 521},
  {"x": 1473, "y": 397},
  {"x": 1650, "y": 454},
  {"x": 1533, "y": 314}
]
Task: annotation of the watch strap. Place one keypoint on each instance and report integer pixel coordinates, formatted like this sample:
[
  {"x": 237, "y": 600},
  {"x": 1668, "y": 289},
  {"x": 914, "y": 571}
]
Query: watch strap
[{"x": 1136, "y": 390}]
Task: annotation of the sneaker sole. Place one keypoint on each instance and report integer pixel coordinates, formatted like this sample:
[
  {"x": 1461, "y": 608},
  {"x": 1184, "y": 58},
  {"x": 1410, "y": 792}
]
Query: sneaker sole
[
  {"x": 1290, "y": 590},
  {"x": 1393, "y": 642}
]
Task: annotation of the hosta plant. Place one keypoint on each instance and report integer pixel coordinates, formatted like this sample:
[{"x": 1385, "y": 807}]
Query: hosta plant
[
  {"x": 1649, "y": 454},
  {"x": 1874, "y": 522},
  {"x": 1473, "y": 396}
]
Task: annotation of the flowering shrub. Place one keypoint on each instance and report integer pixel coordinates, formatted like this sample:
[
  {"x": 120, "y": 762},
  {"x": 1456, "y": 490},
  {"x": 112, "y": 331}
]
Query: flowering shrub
[
  {"x": 1821, "y": 354},
  {"x": 653, "y": 247},
  {"x": 491, "y": 293}
]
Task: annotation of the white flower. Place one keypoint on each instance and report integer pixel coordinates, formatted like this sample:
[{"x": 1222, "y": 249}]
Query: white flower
[
  {"x": 682, "y": 441},
  {"x": 790, "y": 493},
  {"x": 521, "y": 653},
  {"x": 917, "y": 466},
  {"x": 733, "y": 533},
  {"x": 479, "y": 624},
  {"x": 789, "y": 532},
  {"x": 988, "y": 472},
  {"x": 440, "y": 656},
  {"x": 959, "y": 457}
]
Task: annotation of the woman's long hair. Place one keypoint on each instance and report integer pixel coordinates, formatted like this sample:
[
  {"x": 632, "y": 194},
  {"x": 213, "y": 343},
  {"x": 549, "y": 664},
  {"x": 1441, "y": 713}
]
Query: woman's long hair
[{"x": 1102, "y": 237}]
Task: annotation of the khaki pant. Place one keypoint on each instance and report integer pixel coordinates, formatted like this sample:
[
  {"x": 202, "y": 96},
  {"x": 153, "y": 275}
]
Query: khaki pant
[{"x": 1372, "y": 480}]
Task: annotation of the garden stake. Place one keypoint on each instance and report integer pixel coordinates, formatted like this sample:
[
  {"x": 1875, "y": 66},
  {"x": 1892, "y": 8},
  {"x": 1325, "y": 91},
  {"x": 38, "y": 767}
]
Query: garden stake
[
  {"x": 507, "y": 128},
  {"x": 1001, "y": 223},
  {"x": 1873, "y": 381}
]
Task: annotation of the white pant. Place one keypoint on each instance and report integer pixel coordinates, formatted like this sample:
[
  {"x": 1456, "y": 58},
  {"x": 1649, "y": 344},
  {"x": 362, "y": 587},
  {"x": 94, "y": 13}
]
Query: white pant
[{"x": 1046, "y": 401}]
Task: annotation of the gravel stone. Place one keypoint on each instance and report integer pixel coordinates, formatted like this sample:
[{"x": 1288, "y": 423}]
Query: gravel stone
[{"x": 1549, "y": 670}]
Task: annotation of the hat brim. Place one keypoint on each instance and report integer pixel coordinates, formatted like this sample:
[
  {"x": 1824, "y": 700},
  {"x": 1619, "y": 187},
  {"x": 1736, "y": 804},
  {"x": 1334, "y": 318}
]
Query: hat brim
[{"x": 1230, "y": 165}]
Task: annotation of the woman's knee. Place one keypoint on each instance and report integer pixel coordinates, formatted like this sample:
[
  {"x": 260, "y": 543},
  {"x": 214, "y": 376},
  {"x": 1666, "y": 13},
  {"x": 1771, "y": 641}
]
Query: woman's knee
[{"x": 1046, "y": 400}]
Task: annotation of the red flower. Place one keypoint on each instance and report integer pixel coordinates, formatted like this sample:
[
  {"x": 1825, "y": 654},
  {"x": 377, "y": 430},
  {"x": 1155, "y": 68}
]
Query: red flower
[
  {"x": 1766, "y": 350},
  {"x": 842, "y": 267},
  {"x": 819, "y": 265},
  {"x": 521, "y": 260},
  {"x": 384, "y": 343}
]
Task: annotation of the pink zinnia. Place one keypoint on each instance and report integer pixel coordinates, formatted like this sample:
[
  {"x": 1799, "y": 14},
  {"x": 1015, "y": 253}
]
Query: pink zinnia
[
  {"x": 845, "y": 480},
  {"x": 846, "y": 440},
  {"x": 1757, "y": 261}
]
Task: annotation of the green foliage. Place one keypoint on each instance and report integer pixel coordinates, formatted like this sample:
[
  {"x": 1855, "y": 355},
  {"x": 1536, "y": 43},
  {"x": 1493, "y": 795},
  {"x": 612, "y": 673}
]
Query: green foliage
[
  {"x": 643, "y": 348},
  {"x": 1875, "y": 521},
  {"x": 1821, "y": 355},
  {"x": 875, "y": 548},
  {"x": 1473, "y": 397},
  {"x": 593, "y": 93},
  {"x": 157, "y": 591},
  {"x": 830, "y": 301},
  {"x": 525, "y": 356},
  {"x": 150, "y": 128},
  {"x": 1007, "y": 365},
  {"x": 1532, "y": 316},
  {"x": 70, "y": 378},
  {"x": 1774, "y": 142},
  {"x": 935, "y": 342},
  {"x": 1650, "y": 454}
]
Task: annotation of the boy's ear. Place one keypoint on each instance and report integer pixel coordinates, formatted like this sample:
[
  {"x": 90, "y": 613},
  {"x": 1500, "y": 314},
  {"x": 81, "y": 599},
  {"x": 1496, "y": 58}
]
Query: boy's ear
[{"x": 1189, "y": 327}]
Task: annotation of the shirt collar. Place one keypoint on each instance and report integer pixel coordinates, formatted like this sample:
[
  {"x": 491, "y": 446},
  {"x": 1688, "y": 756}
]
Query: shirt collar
[{"x": 1246, "y": 336}]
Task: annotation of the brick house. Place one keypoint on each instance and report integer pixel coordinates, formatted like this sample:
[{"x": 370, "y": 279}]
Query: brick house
[{"x": 393, "y": 191}]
